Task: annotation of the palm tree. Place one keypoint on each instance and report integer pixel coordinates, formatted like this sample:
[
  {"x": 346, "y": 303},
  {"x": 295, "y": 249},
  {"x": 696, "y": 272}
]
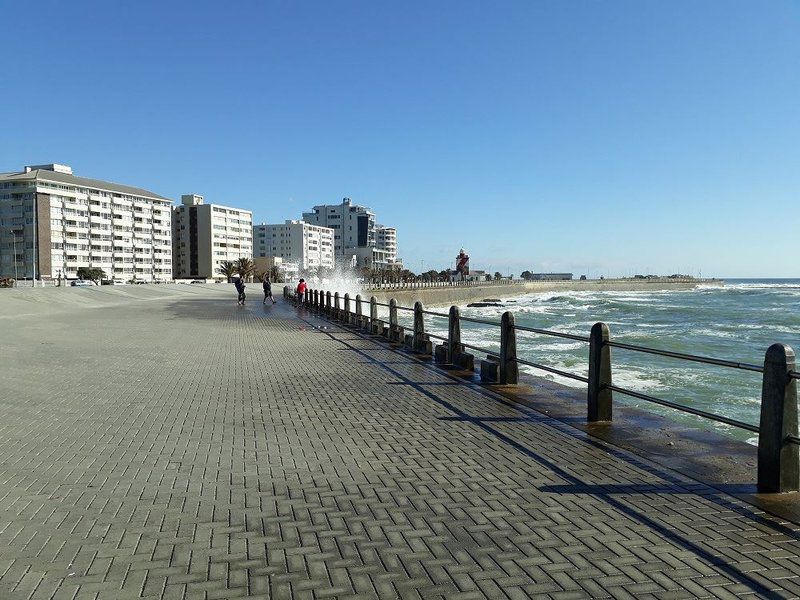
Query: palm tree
[
  {"x": 227, "y": 268},
  {"x": 275, "y": 274},
  {"x": 259, "y": 276},
  {"x": 244, "y": 266}
]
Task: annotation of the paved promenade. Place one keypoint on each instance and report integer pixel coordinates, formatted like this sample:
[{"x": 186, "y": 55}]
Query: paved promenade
[{"x": 184, "y": 447}]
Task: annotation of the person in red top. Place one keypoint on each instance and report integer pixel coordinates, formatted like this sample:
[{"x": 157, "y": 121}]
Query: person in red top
[{"x": 301, "y": 291}]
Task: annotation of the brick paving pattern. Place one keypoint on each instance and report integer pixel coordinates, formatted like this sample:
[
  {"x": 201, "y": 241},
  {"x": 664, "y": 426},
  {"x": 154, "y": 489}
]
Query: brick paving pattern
[{"x": 189, "y": 448}]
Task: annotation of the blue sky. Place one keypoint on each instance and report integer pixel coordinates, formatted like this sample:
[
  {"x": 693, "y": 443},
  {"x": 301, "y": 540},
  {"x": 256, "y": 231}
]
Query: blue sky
[{"x": 602, "y": 137}]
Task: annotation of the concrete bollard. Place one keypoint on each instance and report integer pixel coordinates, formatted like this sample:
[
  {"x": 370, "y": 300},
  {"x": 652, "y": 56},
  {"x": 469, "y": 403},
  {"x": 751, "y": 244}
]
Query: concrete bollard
[
  {"x": 509, "y": 369},
  {"x": 359, "y": 314},
  {"x": 373, "y": 315},
  {"x": 453, "y": 335},
  {"x": 419, "y": 326},
  {"x": 393, "y": 327},
  {"x": 346, "y": 316},
  {"x": 489, "y": 369},
  {"x": 286, "y": 292},
  {"x": 778, "y": 458},
  {"x": 599, "y": 400},
  {"x": 419, "y": 341},
  {"x": 440, "y": 354}
]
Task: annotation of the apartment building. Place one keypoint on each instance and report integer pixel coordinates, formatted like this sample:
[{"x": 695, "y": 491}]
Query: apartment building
[
  {"x": 205, "y": 235},
  {"x": 386, "y": 241},
  {"x": 53, "y": 222},
  {"x": 309, "y": 246},
  {"x": 355, "y": 234}
]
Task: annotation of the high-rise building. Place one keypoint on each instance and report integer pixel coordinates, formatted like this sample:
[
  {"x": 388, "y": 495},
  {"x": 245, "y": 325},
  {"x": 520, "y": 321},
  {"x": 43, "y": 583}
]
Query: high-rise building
[
  {"x": 386, "y": 240},
  {"x": 205, "y": 235},
  {"x": 355, "y": 234},
  {"x": 53, "y": 222},
  {"x": 309, "y": 246}
]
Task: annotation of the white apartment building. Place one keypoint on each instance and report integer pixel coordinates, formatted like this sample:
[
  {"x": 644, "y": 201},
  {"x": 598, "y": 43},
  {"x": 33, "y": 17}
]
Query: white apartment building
[
  {"x": 309, "y": 246},
  {"x": 355, "y": 234},
  {"x": 386, "y": 241},
  {"x": 205, "y": 235},
  {"x": 53, "y": 222}
]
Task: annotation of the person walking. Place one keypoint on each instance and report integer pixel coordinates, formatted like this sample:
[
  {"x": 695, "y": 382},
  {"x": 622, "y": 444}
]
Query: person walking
[
  {"x": 240, "y": 288},
  {"x": 301, "y": 291},
  {"x": 267, "y": 291}
]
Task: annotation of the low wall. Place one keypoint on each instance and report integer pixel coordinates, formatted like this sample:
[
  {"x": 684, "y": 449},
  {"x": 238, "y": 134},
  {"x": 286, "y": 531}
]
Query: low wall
[
  {"x": 620, "y": 285},
  {"x": 445, "y": 296}
]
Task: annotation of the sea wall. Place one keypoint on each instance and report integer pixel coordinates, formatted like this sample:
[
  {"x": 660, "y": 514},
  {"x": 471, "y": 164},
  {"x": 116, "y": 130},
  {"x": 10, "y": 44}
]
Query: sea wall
[{"x": 445, "y": 296}]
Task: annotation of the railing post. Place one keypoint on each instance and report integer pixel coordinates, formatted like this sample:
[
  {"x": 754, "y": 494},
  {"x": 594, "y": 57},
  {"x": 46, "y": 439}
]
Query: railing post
[
  {"x": 346, "y": 318},
  {"x": 307, "y": 297},
  {"x": 373, "y": 315},
  {"x": 328, "y": 303},
  {"x": 419, "y": 327},
  {"x": 286, "y": 292},
  {"x": 392, "y": 319},
  {"x": 453, "y": 335},
  {"x": 336, "y": 309},
  {"x": 778, "y": 458},
  {"x": 358, "y": 311},
  {"x": 599, "y": 399},
  {"x": 316, "y": 300},
  {"x": 509, "y": 369}
]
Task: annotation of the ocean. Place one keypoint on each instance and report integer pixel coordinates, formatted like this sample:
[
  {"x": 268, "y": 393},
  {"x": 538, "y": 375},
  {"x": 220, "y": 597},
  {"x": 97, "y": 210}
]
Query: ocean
[{"x": 736, "y": 322}]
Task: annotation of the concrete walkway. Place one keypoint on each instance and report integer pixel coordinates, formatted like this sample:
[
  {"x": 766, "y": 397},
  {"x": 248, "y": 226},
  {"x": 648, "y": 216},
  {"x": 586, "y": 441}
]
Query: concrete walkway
[{"x": 189, "y": 448}]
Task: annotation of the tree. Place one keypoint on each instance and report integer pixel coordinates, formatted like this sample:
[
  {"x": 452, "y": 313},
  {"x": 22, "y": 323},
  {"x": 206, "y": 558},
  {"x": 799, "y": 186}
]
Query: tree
[
  {"x": 488, "y": 277},
  {"x": 92, "y": 274},
  {"x": 227, "y": 268},
  {"x": 259, "y": 276},
  {"x": 526, "y": 275},
  {"x": 498, "y": 275},
  {"x": 275, "y": 274},
  {"x": 245, "y": 267},
  {"x": 407, "y": 275}
]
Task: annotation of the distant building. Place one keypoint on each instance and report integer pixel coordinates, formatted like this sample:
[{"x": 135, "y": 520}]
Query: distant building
[
  {"x": 309, "y": 246},
  {"x": 205, "y": 235},
  {"x": 53, "y": 222},
  {"x": 386, "y": 241},
  {"x": 474, "y": 275},
  {"x": 356, "y": 235},
  {"x": 551, "y": 276},
  {"x": 287, "y": 271}
]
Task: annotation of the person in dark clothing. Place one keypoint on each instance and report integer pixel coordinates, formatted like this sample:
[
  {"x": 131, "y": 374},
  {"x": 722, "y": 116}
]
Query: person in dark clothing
[
  {"x": 267, "y": 291},
  {"x": 240, "y": 288}
]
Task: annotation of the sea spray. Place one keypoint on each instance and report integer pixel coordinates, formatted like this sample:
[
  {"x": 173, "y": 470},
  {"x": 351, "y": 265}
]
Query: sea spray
[{"x": 341, "y": 280}]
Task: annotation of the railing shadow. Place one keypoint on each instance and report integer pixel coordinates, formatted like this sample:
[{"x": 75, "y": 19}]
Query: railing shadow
[{"x": 671, "y": 484}]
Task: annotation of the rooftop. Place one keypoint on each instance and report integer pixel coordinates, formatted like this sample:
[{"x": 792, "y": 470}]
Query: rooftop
[{"x": 63, "y": 174}]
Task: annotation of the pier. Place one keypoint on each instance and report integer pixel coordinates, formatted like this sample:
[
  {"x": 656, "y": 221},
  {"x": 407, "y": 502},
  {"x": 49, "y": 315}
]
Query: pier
[{"x": 163, "y": 442}]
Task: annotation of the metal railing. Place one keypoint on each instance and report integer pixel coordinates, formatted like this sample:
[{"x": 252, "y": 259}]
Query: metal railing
[{"x": 779, "y": 442}]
